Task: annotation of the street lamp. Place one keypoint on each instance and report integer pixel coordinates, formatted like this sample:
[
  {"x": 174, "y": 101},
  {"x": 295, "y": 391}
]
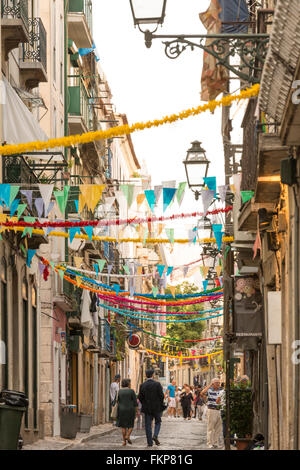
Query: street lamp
[
  {"x": 196, "y": 167},
  {"x": 148, "y": 12}
]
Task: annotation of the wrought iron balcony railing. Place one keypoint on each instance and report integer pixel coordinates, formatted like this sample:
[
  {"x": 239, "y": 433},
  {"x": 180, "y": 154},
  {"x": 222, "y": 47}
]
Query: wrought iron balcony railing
[
  {"x": 16, "y": 170},
  {"x": 11, "y": 9},
  {"x": 79, "y": 101},
  {"x": 36, "y": 49}
]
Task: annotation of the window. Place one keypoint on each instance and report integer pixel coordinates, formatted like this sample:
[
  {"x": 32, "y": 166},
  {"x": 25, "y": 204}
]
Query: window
[{"x": 4, "y": 325}]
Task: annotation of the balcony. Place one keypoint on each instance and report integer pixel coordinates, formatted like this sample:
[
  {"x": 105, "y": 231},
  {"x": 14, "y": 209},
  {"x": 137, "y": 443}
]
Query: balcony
[
  {"x": 33, "y": 56},
  {"x": 14, "y": 24},
  {"x": 64, "y": 296},
  {"x": 270, "y": 153},
  {"x": 80, "y": 22},
  {"x": 80, "y": 113},
  {"x": 106, "y": 339},
  {"x": 16, "y": 170}
]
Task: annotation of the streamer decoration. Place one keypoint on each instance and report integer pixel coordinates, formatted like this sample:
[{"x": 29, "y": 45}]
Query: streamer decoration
[
  {"x": 105, "y": 223},
  {"x": 184, "y": 357},
  {"x": 126, "y": 129}
]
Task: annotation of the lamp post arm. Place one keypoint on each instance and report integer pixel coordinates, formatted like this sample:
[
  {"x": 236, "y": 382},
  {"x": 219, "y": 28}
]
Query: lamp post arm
[{"x": 251, "y": 48}]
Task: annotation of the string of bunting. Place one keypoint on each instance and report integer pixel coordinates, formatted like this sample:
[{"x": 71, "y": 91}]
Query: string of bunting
[
  {"x": 167, "y": 338},
  {"x": 100, "y": 223},
  {"x": 126, "y": 129},
  {"x": 184, "y": 357},
  {"x": 123, "y": 312},
  {"x": 118, "y": 240}
]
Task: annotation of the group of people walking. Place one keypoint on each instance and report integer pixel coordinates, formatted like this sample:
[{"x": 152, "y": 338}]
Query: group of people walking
[
  {"x": 152, "y": 401},
  {"x": 188, "y": 398}
]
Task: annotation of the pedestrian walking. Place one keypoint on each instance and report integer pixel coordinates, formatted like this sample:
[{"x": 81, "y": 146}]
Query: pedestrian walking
[
  {"x": 151, "y": 396},
  {"x": 186, "y": 398},
  {"x": 127, "y": 408},
  {"x": 177, "y": 397},
  {"x": 214, "y": 422},
  {"x": 171, "y": 396},
  {"x": 201, "y": 405},
  {"x": 196, "y": 401},
  {"x": 114, "y": 388}
]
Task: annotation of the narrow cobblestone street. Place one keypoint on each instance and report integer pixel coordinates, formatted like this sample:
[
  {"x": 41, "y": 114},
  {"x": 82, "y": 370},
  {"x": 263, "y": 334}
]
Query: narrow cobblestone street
[{"x": 175, "y": 434}]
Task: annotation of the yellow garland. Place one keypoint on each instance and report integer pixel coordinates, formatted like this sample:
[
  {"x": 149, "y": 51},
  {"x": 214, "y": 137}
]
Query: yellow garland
[
  {"x": 184, "y": 357},
  {"x": 126, "y": 129},
  {"x": 115, "y": 240}
]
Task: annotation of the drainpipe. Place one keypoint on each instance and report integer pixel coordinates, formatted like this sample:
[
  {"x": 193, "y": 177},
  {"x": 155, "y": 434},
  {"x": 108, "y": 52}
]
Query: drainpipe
[{"x": 296, "y": 313}]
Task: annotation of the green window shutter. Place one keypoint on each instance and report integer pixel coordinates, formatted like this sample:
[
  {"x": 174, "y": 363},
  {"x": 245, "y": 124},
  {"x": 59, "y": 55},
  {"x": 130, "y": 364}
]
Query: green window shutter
[{"x": 74, "y": 103}]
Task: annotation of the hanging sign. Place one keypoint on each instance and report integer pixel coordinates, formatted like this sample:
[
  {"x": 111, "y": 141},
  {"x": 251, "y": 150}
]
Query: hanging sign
[{"x": 134, "y": 341}]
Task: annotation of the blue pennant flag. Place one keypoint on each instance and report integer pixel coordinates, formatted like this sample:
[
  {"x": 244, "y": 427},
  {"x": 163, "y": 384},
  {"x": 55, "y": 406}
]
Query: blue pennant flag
[
  {"x": 96, "y": 267},
  {"x": 76, "y": 202},
  {"x": 205, "y": 283},
  {"x": 168, "y": 194},
  {"x": 72, "y": 232},
  {"x": 219, "y": 238},
  {"x": 89, "y": 231},
  {"x": 150, "y": 196},
  {"x": 30, "y": 255},
  {"x": 169, "y": 270},
  {"x": 14, "y": 206},
  {"x": 211, "y": 183},
  {"x": 160, "y": 268},
  {"x": 5, "y": 193},
  {"x": 116, "y": 288}
]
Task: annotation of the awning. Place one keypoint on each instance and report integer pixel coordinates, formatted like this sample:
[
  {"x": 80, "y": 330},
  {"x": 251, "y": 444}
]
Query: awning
[{"x": 19, "y": 124}]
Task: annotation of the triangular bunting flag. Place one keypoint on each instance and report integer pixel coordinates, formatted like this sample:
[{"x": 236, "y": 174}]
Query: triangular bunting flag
[
  {"x": 140, "y": 199},
  {"x": 169, "y": 270},
  {"x": 180, "y": 192},
  {"x": 5, "y": 193},
  {"x": 219, "y": 238},
  {"x": 155, "y": 291},
  {"x": 30, "y": 255},
  {"x": 72, "y": 232},
  {"x": 160, "y": 269},
  {"x": 172, "y": 289},
  {"x": 46, "y": 193},
  {"x": 211, "y": 183},
  {"x": 50, "y": 207},
  {"x": 14, "y": 206},
  {"x": 101, "y": 264},
  {"x": 222, "y": 192},
  {"x": 168, "y": 194},
  {"x": 96, "y": 267},
  {"x": 109, "y": 268},
  {"x": 39, "y": 204},
  {"x": 78, "y": 261},
  {"x": 28, "y": 230},
  {"x": 157, "y": 192},
  {"x": 207, "y": 198},
  {"x": 205, "y": 283},
  {"x": 128, "y": 191},
  {"x": 170, "y": 234},
  {"x": 89, "y": 231},
  {"x": 246, "y": 196},
  {"x": 28, "y": 194},
  {"x": 13, "y": 193},
  {"x": 126, "y": 269},
  {"x": 150, "y": 196},
  {"x": 116, "y": 288}
]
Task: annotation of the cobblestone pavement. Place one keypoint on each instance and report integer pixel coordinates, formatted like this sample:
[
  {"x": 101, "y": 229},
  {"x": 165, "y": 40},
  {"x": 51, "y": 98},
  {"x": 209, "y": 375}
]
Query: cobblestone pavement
[{"x": 175, "y": 434}]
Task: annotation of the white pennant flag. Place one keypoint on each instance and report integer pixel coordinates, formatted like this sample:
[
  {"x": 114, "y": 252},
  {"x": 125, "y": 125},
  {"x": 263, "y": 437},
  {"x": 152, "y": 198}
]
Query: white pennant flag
[
  {"x": 108, "y": 203},
  {"x": 46, "y": 193},
  {"x": 222, "y": 190},
  {"x": 207, "y": 197}
]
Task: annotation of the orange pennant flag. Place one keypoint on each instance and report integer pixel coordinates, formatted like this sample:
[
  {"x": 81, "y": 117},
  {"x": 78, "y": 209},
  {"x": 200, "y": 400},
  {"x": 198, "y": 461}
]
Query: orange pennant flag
[{"x": 140, "y": 199}]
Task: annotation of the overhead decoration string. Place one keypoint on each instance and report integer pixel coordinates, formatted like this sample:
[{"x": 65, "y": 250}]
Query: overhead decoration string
[
  {"x": 183, "y": 357},
  {"x": 126, "y": 129},
  {"x": 103, "y": 223}
]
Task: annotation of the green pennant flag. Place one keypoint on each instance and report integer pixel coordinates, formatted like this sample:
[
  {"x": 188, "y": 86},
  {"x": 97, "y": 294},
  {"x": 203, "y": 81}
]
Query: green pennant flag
[
  {"x": 155, "y": 291},
  {"x": 101, "y": 263},
  {"x": 170, "y": 234},
  {"x": 126, "y": 269},
  {"x": 60, "y": 199},
  {"x": 28, "y": 230},
  {"x": 128, "y": 191},
  {"x": 227, "y": 251},
  {"x": 246, "y": 195},
  {"x": 13, "y": 193},
  {"x": 180, "y": 192},
  {"x": 51, "y": 264},
  {"x": 20, "y": 209}
]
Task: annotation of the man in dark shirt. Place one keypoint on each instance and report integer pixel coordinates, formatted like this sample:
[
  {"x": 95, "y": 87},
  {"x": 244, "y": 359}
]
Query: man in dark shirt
[{"x": 151, "y": 397}]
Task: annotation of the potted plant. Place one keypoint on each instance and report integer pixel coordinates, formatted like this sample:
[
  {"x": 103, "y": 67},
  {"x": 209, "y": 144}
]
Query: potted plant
[
  {"x": 68, "y": 422},
  {"x": 241, "y": 413}
]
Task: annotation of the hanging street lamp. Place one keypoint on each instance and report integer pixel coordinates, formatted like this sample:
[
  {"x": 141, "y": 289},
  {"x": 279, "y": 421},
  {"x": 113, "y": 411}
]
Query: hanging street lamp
[
  {"x": 196, "y": 167},
  {"x": 251, "y": 48},
  {"x": 148, "y": 12}
]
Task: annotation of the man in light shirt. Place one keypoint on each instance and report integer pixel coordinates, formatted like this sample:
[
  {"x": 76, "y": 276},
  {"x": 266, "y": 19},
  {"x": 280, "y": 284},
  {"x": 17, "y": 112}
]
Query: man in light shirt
[
  {"x": 114, "y": 388},
  {"x": 214, "y": 422}
]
